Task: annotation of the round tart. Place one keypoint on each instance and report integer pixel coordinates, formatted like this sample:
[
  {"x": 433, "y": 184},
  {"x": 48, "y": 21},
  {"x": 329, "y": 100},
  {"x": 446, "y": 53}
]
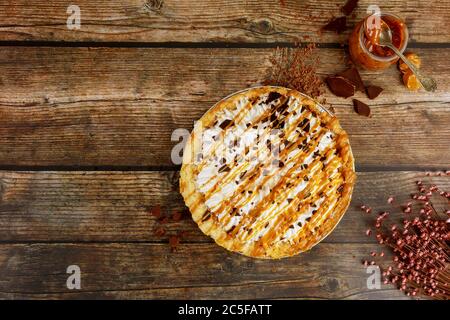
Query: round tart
[{"x": 267, "y": 172}]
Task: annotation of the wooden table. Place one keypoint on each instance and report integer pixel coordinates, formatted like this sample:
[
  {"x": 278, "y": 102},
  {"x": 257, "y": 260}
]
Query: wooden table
[{"x": 86, "y": 118}]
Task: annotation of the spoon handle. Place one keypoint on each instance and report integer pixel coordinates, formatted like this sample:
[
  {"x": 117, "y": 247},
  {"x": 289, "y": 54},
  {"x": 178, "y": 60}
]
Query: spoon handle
[{"x": 429, "y": 84}]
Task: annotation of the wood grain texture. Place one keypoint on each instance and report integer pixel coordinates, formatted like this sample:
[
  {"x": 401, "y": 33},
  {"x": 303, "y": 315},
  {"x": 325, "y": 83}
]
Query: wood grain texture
[
  {"x": 250, "y": 21},
  {"x": 152, "y": 271},
  {"x": 119, "y": 107},
  {"x": 114, "y": 206}
]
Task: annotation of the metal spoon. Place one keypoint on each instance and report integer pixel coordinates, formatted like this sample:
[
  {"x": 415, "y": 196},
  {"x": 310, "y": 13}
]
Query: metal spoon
[{"x": 385, "y": 40}]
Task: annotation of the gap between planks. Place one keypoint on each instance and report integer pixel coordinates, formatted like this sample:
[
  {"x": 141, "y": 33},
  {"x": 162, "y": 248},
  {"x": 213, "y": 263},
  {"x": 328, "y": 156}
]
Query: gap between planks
[{"x": 199, "y": 45}]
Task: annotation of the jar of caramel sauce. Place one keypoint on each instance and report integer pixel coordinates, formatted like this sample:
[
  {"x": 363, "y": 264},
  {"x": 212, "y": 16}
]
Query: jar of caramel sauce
[{"x": 363, "y": 46}]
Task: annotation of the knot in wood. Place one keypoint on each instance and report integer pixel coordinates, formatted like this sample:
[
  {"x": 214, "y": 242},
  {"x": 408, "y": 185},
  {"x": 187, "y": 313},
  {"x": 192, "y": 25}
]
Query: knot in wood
[{"x": 263, "y": 26}]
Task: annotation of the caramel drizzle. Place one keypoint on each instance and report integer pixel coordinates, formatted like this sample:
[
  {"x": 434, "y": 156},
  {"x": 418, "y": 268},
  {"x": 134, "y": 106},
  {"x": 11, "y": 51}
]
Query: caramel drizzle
[
  {"x": 280, "y": 182},
  {"x": 266, "y": 114},
  {"x": 300, "y": 197},
  {"x": 245, "y": 110},
  {"x": 317, "y": 219},
  {"x": 260, "y": 168},
  {"x": 251, "y": 216},
  {"x": 282, "y": 225},
  {"x": 228, "y": 177}
]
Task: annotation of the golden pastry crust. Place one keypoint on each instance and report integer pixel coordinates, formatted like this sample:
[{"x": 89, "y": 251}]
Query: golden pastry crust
[{"x": 285, "y": 201}]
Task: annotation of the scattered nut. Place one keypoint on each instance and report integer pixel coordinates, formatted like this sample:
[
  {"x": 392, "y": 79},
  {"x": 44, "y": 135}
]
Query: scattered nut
[
  {"x": 411, "y": 56},
  {"x": 411, "y": 81}
]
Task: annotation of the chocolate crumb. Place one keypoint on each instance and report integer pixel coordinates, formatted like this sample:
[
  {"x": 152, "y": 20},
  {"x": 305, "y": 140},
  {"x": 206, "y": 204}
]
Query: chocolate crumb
[
  {"x": 164, "y": 220},
  {"x": 361, "y": 108},
  {"x": 340, "y": 86},
  {"x": 174, "y": 241},
  {"x": 156, "y": 211},
  {"x": 177, "y": 216},
  {"x": 160, "y": 232},
  {"x": 373, "y": 91}
]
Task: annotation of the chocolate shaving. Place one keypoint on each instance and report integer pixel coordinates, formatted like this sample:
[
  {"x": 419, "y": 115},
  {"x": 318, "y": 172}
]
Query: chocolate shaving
[
  {"x": 224, "y": 168},
  {"x": 296, "y": 68},
  {"x": 349, "y": 6},
  {"x": 303, "y": 122},
  {"x": 337, "y": 25},
  {"x": 373, "y": 91},
  {"x": 340, "y": 86},
  {"x": 206, "y": 216},
  {"x": 273, "y": 117},
  {"x": 361, "y": 108},
  {"x": 231, "y": 229},
  {"x": 225, "y": 123},
  {"x": 281, "y": 109},
  {"x": 354, "y": 77},
  {"x": 272, "y": 96},
  {"x": 307, "y": 127}
]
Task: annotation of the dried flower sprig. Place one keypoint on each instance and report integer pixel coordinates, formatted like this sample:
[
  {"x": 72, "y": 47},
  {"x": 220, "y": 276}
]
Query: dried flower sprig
[{"x": 421, "y": 262}]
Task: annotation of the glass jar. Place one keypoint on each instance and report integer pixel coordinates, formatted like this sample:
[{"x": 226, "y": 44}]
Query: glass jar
[{"x": 363, "y": 48}]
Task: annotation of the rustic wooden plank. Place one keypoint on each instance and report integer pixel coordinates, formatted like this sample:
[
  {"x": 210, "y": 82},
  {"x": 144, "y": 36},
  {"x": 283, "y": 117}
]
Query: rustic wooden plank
[
  {"x": 250, "y": 21},
  {"x": 118, "y": 107},
  {"x": 152, "y": 271},
  {"x": 113, "y": 206}
]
